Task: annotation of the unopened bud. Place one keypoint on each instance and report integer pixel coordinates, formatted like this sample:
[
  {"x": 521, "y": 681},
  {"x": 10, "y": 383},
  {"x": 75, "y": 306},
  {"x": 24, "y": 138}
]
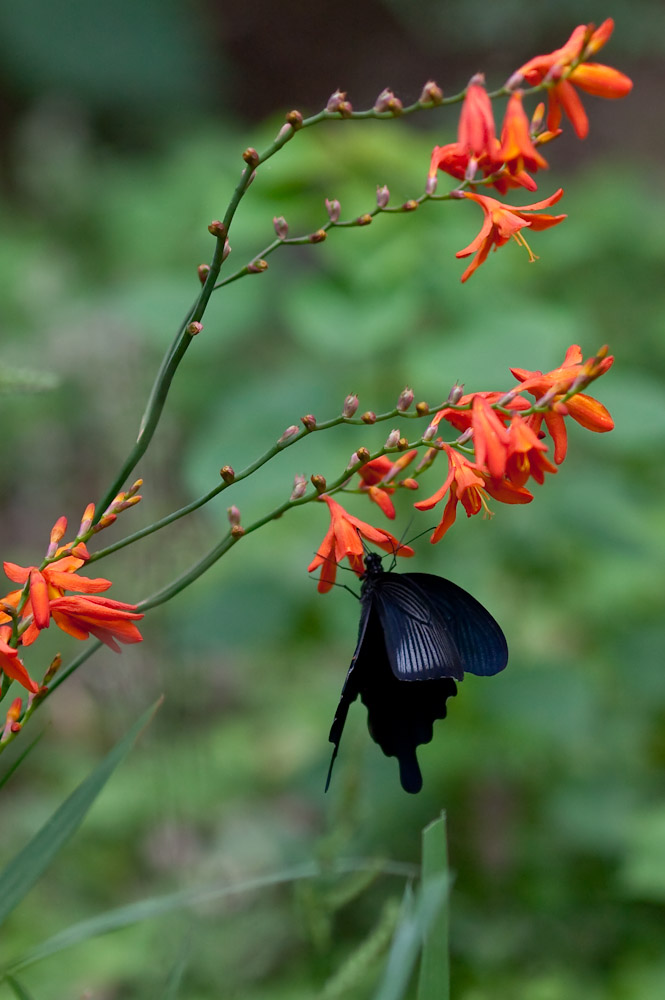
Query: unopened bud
[
  {"x": 309, "y": 422},
  {"x": 432, "y": 184},
  {"x": 422, "y": 408},
  {"x": 403, "y": 444},
  {"x": 227, "y": 250},
  {"x": 333, "y": 208},
  {"x": 257, "y": 266},
  {"x": 317, "y": 237},
  {"x": 237, "y": 531},
  {"x": 14, "y": 710},
  {"x": 369, "y": 417},
  {"x": 319, "y": 483},
  {"x": 363, "y": 455},
  {"x": 294, "y": 118},
  {"x": 299, "y": 487},
  {"x": 364, "y": 220},
  {"x": 392, "y": 439},
  {"x": 218, "y": 229},
  {"x": 471, "y": 170},
  {"x": 134, "y": 488},
  {"x": 430, "y": 432},
  {"x": 193, "y": 328},
  {"x": 514, "y": 82},
  {"x": 382, "y": 196},
  {"x": 386, "y": 101},
  {"x": 456, "y": 393},
  {"x": 288, "y": 434},
  {"x": 350, "y": 405},
  {"x": 431, "y": 93},
  {"x": 57, "y": 532},
  {"x": 281, "y": 227},
  {"x": 104, "y": 521},
  {"x": 427, "y": 459},
  {"x": 410, "y": 206},
  {"x": 126, "y": 502},
  {"x": 251, "y": 157},
  {"x": 227, "y": 473},
  {"x": 405, "y": 399},
  {"x": 54, "y": 666},
  {"x": 233, "y": 515},
  {"x": 337, "y": 103},
  {"x": 537, "y": 118}
]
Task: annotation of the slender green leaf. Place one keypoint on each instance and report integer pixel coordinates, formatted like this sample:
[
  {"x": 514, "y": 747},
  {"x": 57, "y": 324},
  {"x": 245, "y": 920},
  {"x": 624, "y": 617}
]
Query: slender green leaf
[
  {"x": 19, "y": 990},
  {"x": 19, "y": 760},
  {"x": 147, "y": 909},
  {"x": 177, "y": 972},
  {"x": 417, "y": 917},
  {"x": 434, "y": 979},
  {"x": 21, "y": 873}
]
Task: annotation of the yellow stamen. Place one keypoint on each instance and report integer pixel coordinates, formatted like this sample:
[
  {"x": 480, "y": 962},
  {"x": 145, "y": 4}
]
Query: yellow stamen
[{"x": 522, "y": 242}]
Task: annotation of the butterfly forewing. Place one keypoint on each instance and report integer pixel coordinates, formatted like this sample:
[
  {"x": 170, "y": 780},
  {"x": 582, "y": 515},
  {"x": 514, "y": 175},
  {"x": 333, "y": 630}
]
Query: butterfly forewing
[
  {"x": 420, "y": 646},
  {"x": 481, "y": 643}
]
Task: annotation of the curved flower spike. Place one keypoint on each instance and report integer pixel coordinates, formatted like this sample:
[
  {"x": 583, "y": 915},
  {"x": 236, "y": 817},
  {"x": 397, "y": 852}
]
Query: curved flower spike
[{"x": 342, "y": 541}]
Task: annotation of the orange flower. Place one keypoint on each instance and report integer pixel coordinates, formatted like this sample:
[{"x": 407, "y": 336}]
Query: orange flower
[
  {"x": 503, "y": 221},
  {"x": 342, "y": 540},
  {"x": 11, "y": 665},
  {"x": 565, "y": 67},
  {"x": 376, "y": 477},
  {"x": 517, "y": 149},
  {"x": 469, "y": 487},
  {"x": 525, "y": 451},
  {"x": 490, "y": 438},
  {"x": 586, "y": 410},
  {"x": 452, "y": 159},
  {"x": 475, "y": 133},
  {"x": 102, "y": 617}
]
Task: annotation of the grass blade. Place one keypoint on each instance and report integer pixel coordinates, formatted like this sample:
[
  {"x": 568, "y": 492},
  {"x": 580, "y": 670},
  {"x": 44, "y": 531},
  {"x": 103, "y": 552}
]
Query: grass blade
[
  {"x": 19, "y": 760},
  {"x": 434, "y": 979}
]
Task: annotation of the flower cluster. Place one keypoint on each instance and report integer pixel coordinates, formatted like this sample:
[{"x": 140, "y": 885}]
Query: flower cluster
[
  {"x": 501, "y": 446},
  {"x": 508, "y": 161},
  {"x": 56, "y": 591}
]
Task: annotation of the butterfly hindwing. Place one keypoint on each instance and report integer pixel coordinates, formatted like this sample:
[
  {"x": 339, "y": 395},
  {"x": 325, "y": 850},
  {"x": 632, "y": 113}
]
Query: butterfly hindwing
[{"x": 481, "y": 643}]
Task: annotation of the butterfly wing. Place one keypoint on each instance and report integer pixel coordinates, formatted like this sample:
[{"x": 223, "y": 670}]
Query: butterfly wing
[
  {"x": 477, "y": 636},
  {"x": 419, "y": 642}
]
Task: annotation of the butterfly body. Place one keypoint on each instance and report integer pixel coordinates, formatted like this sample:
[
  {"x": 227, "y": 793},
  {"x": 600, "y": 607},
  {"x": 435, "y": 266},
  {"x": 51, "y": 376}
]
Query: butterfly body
[{"x": 418, "y": 635}]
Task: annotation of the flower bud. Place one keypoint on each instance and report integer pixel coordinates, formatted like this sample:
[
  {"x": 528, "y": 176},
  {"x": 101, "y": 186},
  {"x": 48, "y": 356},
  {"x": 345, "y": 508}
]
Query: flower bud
[
  {"x": 193, "y": 328},
  {"x": 471, "y": 169},
  {"x": 54, "y": 666},
  {"x": 392, "y": 439},
  {"x": 403, "y": 444},
  {"x": 515, "y": 81},
  {"x": 104, "y": 522},
  {"x": 218, "y": 229},
  {"x": 294, "y": 118},
  {"x": 233, "y": 515},
  {"x": 134, "y": 488},
  {"x": 227, "y": 250},
  {"x": 364, "y": 220},
  {"x": 410, "y": 206},
  {"x": 337, "y": 103},
  {"x": 86, "y": 520},
  {"x": 227, "y": 473},
  {"x": 257, "y": 266},
  {"x": 317, "y": 237},
  {"x": 363, "y": 455},
  {"x": 350, "y": 405},
  {"x": 57, "y": 533},
  {"x": 319, "y": 483},
  {"x": 427, "y": 459},
  {"x": 369, "y": 417},
  {"x": 386, "y": 101},
  {"x": 431, "y": 93},
  {"x": 299, "y": 487},
  {"x": 382, "y": 196},
  {"x": 422, "y": 409},
  {"x": 456, "y": 393},
  {"x": 405, "y": 399},
  {"x": 251, "y": 157},
  {"x": 281, "y": 227},
  {"x": 333, "y": 208},
  {"x": 237, "y": 531},
  {"x": 430, "y": 432},
  {"x": 203, "y": 270},
  {"x": 309, "y": 422},
  {"x": 288, "y": 434},
  {"x": 537, "y": 118}
]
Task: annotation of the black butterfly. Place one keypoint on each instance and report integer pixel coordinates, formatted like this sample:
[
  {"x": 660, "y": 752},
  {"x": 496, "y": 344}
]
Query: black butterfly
[{"x": 418, "y": 634}]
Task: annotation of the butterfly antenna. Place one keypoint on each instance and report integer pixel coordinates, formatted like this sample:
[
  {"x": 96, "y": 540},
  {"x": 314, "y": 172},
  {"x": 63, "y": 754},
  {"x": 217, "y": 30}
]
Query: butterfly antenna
[
  {"x": 332, "y": 761},
  {"x": 420, "y": 535}
]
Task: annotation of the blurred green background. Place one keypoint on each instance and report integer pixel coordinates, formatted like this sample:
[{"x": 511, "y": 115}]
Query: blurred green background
[{"x": 122, "y": 131}]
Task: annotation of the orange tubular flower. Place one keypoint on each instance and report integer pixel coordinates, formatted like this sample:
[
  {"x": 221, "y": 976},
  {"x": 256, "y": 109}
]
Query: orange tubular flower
[
  {"x": 595, "y": 79},
  {"x": 11, "y": 665},
  {"x": 517, "y": 149},
  {"x": 376, "y": 477},
  {"x": 342, "y": 540},
  {"x": 586, "y": 410},
  {"x": 476, "y": 133},
  {"x": 525, "y": 452},
  {"x": 502, "y": 222},
  {"x": 102, "y": 617},
  {"x": 490, "y": 438},
  {"x": 468, "y": 487}
]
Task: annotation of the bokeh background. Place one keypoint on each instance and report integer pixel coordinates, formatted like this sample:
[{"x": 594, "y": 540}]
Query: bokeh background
[{"x": 122, "y": 128}]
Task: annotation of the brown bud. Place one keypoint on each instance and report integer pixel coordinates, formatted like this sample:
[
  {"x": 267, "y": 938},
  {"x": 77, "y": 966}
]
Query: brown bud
[
  {"x": 309, "y": 422},
  {"x": 227, "y": 473},
  {"x": 386, "y": 101},
  {"x": 363, "y": 455},
  {"x": 431, "y": 93},
  {"x": 193, "y": 328},
  {"x": 364, "y": 220},
  {"x": 54, "y": 666},
  {"x": 251, "y": 157},
  {"x": 203, "y": 270},
  {"x": 430, "y": 432},
  {"x": 237, "y": 531},
  {"x": 405, "y": 399},
  {"x": 455, "y": 393},
  {"x": 318, "y": 237},
  {"x": 382, "y": 196},
  {"x": 319, "y": 483},
  {"x": 294, "y": 118},
  {"x": 422, "y": 409},
  {"x": 218, "y": 229},
  {"x": 338, "y": 104},
  {"x": 350, "y": 405},
  {"x": 369, "y": 417},
  {"x": 257, "y": 266},
  {"x": 403, "y": 444},
  {"x": 410, "y": 206}
]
